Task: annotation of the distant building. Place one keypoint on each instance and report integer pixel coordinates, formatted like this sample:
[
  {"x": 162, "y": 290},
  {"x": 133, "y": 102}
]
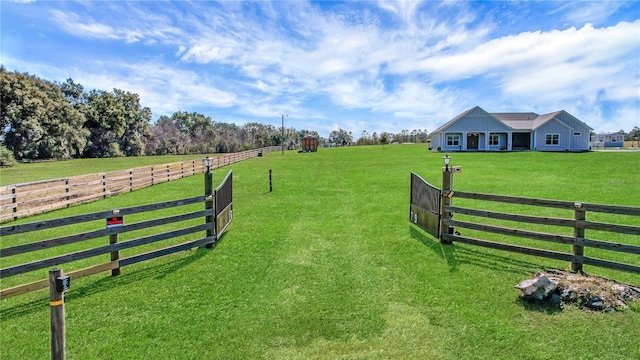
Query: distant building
[
  {"x": 478, "y": 130},
  {"x": 309, "y": 144},
  {"x": 604, "y": 140}
]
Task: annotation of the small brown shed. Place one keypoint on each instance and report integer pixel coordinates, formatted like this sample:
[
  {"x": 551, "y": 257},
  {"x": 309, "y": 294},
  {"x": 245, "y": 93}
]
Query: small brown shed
[{"x": 309, "y": 144}]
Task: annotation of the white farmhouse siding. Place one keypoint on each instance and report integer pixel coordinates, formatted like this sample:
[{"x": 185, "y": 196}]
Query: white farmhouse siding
[
  {"x": 471, "y": 130},
  {"x": 478, "y": 130},
  {"x": 435, "y": 142},
  {"x": 553, "y": 135},
  {"x": 580, "y": 134}
]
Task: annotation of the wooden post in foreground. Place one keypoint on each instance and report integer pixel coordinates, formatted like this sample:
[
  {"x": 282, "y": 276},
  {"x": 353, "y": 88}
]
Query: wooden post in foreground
[
  {"x": 447, "y": 177},
  {"x": 446, "y": 201},
  {"x": 270, "y": 182},
  {"x": 208, "y": 203},
  {"x": 56, "y": 302},
  {"x": 115, "y": 255}
]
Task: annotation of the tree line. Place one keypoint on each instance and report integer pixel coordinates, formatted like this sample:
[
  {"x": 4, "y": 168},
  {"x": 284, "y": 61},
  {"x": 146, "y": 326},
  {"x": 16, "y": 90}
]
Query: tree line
[{"x": 43, "y": 120}]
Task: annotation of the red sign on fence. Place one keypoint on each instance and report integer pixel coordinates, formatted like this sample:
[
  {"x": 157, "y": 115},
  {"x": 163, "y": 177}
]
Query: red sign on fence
[{"x": 115, "y": 221}]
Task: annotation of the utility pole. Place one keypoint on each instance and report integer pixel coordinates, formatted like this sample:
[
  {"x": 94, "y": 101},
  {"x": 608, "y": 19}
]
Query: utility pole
[{"x": 283, "y": 115}]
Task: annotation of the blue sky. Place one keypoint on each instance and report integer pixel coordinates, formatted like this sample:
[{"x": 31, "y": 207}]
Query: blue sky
[{"x": 358, "y": 65}]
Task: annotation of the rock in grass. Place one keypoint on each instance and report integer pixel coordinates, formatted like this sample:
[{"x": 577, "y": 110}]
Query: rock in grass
[{"x": 537, "y": 288}]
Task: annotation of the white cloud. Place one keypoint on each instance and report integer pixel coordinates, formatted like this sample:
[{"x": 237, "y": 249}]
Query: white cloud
[
  {"x": 132, "y": 25},
  {"x": 588, "y": 11},
  {"x": 73, "y": 24},
  {"x": 161, "y": 88},
  {"x": 345, "y": 60},
  {"x": 391, "y": 63},
  {"x": 537, "y": 49},
  {"x": 206, "y": 53},
  {"x": 404, "y": 9}
]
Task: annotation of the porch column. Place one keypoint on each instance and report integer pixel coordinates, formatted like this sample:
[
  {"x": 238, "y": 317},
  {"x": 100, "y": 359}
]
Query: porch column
[{"x": 532, "y": 140}]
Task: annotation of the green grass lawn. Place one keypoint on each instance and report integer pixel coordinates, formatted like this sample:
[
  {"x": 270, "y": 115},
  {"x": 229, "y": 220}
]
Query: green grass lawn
[{"x": 328, "y": 266}]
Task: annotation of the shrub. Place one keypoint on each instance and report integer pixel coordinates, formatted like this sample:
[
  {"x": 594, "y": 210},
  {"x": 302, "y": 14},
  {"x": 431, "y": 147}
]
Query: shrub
[{"x": 6, "y": 157}]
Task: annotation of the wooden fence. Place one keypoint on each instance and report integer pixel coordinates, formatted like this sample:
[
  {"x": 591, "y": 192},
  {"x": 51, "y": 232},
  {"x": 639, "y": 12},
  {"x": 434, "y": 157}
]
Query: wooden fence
[
  {"x": 480, "y": 221},
  {"x": 187, "y": 227},
  {"x": 21, "y": 200}
]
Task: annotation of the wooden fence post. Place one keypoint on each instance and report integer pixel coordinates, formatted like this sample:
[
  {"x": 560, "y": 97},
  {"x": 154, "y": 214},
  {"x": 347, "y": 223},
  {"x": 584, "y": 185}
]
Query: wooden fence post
[
  {"x": 577, "y": 249},
  {"x": 66, "y": 190},
  {"x": 209, "y": 199},
  {"x": 56, "y": 302},
  {"x": 270, "y": 182},
  {"x": 445, "y": 201},
  {"x": 104, "y": 186},
  {"x": 115, "y": 255},
  {"x": 14, "y": 202}
]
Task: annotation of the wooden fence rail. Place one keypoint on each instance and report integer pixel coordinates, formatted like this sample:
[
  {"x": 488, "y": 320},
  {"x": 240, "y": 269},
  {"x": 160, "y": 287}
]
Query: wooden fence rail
[
  {"x": 109, "y": 234},
  {"x": 579, "y": 224},
  {"x": 21, "y": 200}
]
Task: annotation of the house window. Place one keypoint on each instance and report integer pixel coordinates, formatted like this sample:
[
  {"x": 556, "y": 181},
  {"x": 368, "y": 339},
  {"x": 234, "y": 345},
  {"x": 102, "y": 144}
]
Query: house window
[
  {"x": 552, "y": 139},
  {"x": 453, "y": 140},
  {"x": 494, "y": 139},
  {"x": 577, "y": 133}
]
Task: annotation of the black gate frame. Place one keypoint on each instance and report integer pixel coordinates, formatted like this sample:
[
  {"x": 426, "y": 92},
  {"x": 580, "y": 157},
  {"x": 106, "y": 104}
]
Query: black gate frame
[{"x": 424, "y": 209}]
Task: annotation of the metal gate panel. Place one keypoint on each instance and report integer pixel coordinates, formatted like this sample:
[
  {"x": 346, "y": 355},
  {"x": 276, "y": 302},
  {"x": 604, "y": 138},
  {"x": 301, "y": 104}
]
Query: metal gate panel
[
  {"x": 425, "y": 205},
  {"x": 224, "y": 204}
]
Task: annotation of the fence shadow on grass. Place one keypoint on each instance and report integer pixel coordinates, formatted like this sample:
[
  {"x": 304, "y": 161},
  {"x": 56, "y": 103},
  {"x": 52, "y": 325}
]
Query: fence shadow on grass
[
  {"x": 445, "y": 252},
  {"x": 496, "y": 262},
  {"x": 126, "y": 278},
  {"x": 457, "y": 254},
  {"x": 156, "y": 272}
]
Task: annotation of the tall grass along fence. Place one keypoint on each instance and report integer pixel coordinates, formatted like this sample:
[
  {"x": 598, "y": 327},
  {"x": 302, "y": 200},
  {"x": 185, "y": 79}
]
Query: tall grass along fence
[
  {"x": 149, "y": 235},
  {"x": 523, "y": 230},
  {"x": 21, "y": 200}
]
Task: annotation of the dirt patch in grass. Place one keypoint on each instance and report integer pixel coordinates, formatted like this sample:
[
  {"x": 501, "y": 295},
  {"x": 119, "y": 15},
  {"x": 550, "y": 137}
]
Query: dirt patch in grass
[{"x": 591, "y": 293}]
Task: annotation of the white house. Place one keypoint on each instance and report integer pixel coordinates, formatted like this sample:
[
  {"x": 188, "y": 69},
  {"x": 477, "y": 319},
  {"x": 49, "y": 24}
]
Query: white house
[
  {"x": 478, "y": 130},
  {"x": 608, "y": 140}
]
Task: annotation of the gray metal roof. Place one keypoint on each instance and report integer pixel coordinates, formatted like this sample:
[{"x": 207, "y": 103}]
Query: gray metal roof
[{"x": 515, "y": 116}]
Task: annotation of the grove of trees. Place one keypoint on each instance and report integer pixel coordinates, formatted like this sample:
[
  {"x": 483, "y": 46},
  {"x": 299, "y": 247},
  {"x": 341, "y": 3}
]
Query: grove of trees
[
  {"x": 633, "y": 135},
  {"x": 43, "y": 120}
]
